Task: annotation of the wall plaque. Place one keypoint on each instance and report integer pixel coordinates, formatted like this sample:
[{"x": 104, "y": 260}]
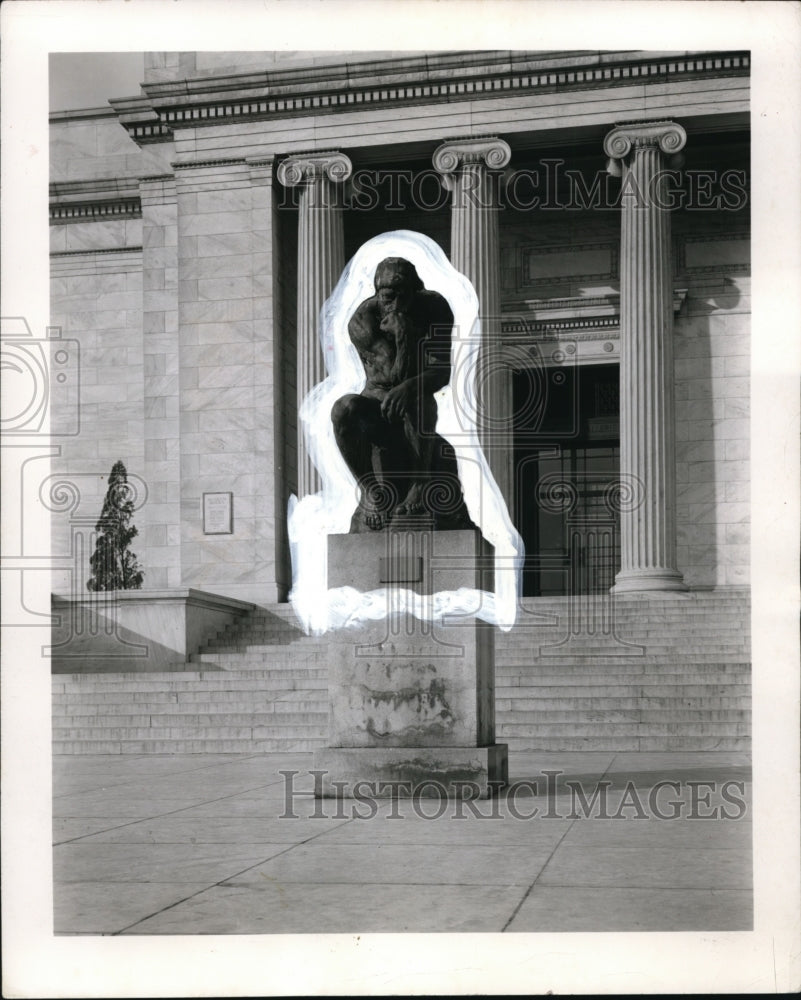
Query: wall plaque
[
  {"x": 218, "y": 513},
  {"x": 570, "y": 264}
]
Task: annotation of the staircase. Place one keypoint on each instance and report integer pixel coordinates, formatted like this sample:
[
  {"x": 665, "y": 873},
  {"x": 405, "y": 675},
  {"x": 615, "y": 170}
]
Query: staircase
[
  {"x": 666, "y": 672},
  {"x": 260, "y": 686}
]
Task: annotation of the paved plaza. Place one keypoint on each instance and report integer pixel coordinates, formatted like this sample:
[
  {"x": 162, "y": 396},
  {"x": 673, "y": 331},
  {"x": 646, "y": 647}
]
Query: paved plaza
[{"x": 226, "y": 844}]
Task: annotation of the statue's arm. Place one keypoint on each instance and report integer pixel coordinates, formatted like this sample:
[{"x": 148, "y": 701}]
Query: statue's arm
[
  {"x": 436, "y": 361},
  {"x": 436, "y": 319},
  {"x": 361, "y": 330}
]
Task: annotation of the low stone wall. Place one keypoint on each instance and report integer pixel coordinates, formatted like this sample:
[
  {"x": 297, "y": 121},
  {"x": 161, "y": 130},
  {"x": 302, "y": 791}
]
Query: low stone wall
[{"x": 137, "y": 630}]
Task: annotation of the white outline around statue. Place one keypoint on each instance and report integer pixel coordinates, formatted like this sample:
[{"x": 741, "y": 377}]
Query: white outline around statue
[{"x": 312, "y": 518}]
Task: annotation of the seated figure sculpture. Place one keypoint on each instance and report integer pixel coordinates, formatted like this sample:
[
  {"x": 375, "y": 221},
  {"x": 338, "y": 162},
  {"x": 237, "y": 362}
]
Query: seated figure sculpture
[{"x": 406, "y": 472}]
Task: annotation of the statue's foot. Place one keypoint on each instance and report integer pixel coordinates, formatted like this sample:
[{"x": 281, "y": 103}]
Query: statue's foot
[
  {"x": 412, "y": 506},
  {"x": 367, "y": 519},
  {"x": 375, "y": 522}
]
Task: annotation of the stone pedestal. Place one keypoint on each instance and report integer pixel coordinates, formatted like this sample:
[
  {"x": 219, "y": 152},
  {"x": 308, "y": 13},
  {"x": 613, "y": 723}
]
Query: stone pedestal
[{"x": 412, "y": 704}]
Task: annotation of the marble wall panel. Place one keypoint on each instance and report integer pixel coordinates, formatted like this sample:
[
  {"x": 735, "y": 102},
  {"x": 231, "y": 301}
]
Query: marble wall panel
[
  {"x": 215, "y": 267},
  {"x": 219, "y": 222},
  {"x": 227, "y": 242},
  {"x": 161, "y": 356},
  {"x": 219, "y": 376},
  {"x": 96, "y": 298},
  {"x": 712, "y": 363},
  {"x": 224, "y": 214},
  {"x": 222, "y": 311}
]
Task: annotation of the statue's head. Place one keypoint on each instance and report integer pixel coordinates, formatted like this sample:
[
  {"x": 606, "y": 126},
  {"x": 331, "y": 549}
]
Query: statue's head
[{"x": 396, "y": 278}]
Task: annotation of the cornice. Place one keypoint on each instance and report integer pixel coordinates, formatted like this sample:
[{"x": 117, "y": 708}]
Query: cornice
[
  {"x": 222, "y": 161},
  {"x": 101, "y": 187},
  {"x": 140, "y": 120},
  {"x": 581, "y": 318},
  {"x": 97, "y": 211},
  {"x": 81, "y": 114},
  {"x": 94, "y": 200},
  {"x": 557, "y": 329},
  {"x": 450, "y": 76},
  {"x": 102, "y": 251}
]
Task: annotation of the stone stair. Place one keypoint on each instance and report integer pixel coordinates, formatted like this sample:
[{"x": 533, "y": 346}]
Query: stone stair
[
  {"x": 665, "y": 672},
  {"x": 259, "y": 686},
  {"x": 669, "y": 672}
]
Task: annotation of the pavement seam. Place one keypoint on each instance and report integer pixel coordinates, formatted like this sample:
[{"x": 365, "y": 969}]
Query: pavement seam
[
  {"x": 172, "y": 774},
  {"x": 214, "y": 885},
  {"x": 527, "y": 893},
  {"x": 550, "y": 857},
  {"x": 171, "y": 812},
  {"x": 610, "y": 768}
]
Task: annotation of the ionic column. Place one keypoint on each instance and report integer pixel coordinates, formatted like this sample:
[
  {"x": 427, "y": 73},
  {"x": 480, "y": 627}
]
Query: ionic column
[
  {"x": 466, "y": 166},
  {"x": 321, "y": 259},
  {"x": 647, "y": 422}
]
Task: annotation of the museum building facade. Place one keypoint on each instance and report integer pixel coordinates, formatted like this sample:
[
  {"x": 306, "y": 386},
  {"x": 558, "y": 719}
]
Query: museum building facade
[{"x": 598, "y": 203}]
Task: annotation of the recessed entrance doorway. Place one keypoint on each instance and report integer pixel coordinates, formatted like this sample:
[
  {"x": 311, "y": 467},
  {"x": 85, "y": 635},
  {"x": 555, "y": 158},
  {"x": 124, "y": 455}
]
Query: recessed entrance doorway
[{"x": 567, "y": 469}]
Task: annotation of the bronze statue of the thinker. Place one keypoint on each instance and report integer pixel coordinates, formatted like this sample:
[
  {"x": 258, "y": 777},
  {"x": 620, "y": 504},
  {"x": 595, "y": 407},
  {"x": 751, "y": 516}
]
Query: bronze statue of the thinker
[{"x": 406, "y": 472}]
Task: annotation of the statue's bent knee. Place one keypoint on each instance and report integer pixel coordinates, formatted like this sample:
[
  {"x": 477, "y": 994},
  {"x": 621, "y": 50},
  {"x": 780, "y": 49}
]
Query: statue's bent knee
[{"x": 345, "y": 410}]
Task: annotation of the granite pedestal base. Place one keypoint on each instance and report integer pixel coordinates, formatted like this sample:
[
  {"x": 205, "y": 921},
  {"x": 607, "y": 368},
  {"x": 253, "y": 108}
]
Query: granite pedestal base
[
  {"x": 411, "y": 703},
  {"x": 405, "y": 772}
]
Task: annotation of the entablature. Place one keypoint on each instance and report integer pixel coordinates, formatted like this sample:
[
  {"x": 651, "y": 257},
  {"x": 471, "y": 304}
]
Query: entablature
[
  {"x": 94, "y": 200},
  {"x": 436, "y": 78},
  {"x": 575, "y": 330}
]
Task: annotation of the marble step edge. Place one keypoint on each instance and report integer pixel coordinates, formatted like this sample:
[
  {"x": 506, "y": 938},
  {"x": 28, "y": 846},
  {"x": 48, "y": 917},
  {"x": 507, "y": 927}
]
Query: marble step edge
[
  {"x": 644, "y": 713},
  {"x": 605, "y": 685},
  {"x": 188, "y": 732},
  {"x": 197, "y": 702},
  {"x": 199, "y": 746},
  {"x": 512, "y": 729},
  {"x": 635, "y": 743},
  {"x": 710, "y": 654},
  {"x": 214, "y": 679},
  {"x": 503, "y": 729},
  {"x": 530, "y": 694},
  {"x": 304, "y": 723},
  {"x": 621, "y": 665},
  {"x": 78, "y": 706},
  {"x": 205, "y": 719},
  {"x": 583, "y": 645},
  {"x": 599, "y": 604},
  {"x": 503, "y": 705},
  {"x": 534, "y": 702}
]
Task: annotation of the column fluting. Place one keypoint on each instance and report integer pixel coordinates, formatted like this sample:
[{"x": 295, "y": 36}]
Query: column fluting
[
  {"x": 469, "y": 170},
  {"x": 321, "y": 259},
  {"x": 647, "y": 420}
]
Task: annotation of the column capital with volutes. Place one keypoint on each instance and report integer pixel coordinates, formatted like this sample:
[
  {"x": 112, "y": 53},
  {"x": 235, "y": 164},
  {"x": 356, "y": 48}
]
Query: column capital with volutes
[
  {"x": 306, "y": 168},
  {"x": 490, "y": 151},
  {"x": 669, "y": 136}
]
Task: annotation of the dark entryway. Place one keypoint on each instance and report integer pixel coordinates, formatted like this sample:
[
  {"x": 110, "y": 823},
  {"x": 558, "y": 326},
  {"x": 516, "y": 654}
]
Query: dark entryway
[{"x": 567, "y": 462}]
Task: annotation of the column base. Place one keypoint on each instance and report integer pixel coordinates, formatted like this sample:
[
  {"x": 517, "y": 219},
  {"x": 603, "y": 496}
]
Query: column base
[
  {"x": 381, "y": 772},
  {"x": 631, "y": 581}
]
